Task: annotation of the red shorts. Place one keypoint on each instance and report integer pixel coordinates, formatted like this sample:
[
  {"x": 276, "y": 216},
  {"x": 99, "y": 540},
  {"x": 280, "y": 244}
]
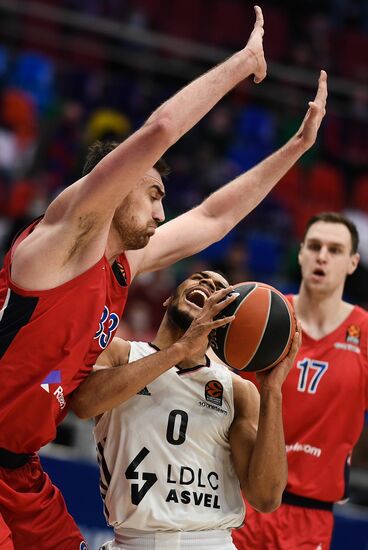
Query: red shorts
[
  {"x": 33, "y": 512},
  {"x": 288, "y": 528}
]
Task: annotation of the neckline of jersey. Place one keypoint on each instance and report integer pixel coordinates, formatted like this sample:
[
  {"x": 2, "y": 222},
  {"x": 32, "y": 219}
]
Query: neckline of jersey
[{"x": 183, "y": 371}]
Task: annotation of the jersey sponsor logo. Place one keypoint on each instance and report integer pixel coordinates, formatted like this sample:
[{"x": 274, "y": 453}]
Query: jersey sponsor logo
[
  {"x": 138, "y": 492},
  {"x": 108, "y": 324},
  {"x": 59, "y": 394},
  {"x": 193, "y": 497},
  {"x": 347, "y": 347},
  {"x": 197, "y": 495},
  {"x": 304, "y": 448},
  {"x": 200, "y": 486},
  {"x": 212, "y": 407},
  {"x": 213, "y": 392},
  {"x": 353, "y": 334},
  {"x": 53, "y": 378}
]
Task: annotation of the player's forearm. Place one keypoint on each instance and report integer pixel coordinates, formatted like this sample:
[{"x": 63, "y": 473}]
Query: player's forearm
[
  {"x": 230, "y": 204},
  {"x": 104, "y": 389},
  {"x": 267, "y": 473},
  {"x": 209, "y": 222},
  {"x": 195, "y": 100}
]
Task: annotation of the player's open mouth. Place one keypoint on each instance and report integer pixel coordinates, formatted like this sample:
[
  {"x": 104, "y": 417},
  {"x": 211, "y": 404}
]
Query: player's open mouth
[
  {"x": 197, "y": 297},
  {"x": 319, "y": 273}
]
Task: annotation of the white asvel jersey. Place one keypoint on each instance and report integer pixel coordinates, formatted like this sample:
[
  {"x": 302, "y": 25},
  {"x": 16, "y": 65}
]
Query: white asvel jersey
[{"x": 164, "y": 455}]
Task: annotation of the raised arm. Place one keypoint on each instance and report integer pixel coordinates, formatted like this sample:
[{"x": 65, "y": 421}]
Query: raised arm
[
  {"x": 257, "y": 435},
  {"x": 221, "y": 211},
  {"x": 119, "y": 380},
  {"x": 79, "y": 219}
]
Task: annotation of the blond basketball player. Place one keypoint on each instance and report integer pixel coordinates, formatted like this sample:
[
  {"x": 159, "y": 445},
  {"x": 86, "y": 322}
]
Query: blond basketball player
[{"x": 175, "y": 456}]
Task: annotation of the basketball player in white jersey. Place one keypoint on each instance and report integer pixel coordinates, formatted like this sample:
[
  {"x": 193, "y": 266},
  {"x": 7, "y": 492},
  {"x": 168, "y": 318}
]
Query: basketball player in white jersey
[{"x": 175, "y": 456}]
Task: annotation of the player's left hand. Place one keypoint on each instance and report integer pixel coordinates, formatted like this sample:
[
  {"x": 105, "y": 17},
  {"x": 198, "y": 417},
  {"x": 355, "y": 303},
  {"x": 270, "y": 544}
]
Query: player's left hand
[{"x": 308, "y": 130}]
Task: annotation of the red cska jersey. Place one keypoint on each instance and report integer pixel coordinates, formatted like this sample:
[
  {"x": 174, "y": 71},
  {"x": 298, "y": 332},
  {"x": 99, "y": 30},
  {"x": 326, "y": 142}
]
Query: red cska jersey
[
  {"x": 324, "y": 399},
  {"x": 49, "y": 341}
]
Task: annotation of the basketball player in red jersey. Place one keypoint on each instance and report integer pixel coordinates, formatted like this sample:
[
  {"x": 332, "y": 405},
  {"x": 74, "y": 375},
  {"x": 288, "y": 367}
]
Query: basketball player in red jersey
[
  {"x": 324, "y": 397},
  {"x": 65, "y": 280}
]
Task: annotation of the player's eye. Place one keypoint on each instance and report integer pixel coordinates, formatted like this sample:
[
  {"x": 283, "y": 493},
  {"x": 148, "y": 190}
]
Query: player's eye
[{"x": 335, "y": 250}]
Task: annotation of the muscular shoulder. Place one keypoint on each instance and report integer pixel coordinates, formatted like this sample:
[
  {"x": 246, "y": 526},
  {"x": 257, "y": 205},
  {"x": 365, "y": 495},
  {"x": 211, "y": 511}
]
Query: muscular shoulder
[
  {"x": 246, "y": 395},
  {"x": 116, "y": 354}
]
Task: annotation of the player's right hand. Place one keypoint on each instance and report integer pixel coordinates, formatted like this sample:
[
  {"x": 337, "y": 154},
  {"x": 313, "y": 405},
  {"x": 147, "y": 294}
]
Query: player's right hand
[
  {"x": 195, "y": 338},
  {"x": 275, "y": 377},
  {"x": 255, "y": 46}
]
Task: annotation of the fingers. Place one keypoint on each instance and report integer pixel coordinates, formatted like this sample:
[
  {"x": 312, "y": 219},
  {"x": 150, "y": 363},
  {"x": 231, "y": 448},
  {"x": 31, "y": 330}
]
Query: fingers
[
  {"x": 314, "y": 116},
  {"x": 259, "y": 17},
  {"x": 219, "y": 300},
  {"x": 221, "y": 322},
  {"x": 297, "y": 340},
  {"x": 258, "y": 79},
  {"x": 321, "y": 95},
  {"x": 219, "y": 296}
]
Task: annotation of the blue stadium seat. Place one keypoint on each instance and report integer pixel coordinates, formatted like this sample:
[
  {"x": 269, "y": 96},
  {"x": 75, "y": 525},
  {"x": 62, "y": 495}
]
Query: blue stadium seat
[
  {"x": 34, "y": 73},
  {"x": 4, "y": 61},
  {"x": 265, "y": 255}
]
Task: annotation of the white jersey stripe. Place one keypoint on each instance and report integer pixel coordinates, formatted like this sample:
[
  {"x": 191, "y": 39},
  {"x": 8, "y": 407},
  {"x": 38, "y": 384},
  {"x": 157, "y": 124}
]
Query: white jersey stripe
[{"x": 2, "y": 311}]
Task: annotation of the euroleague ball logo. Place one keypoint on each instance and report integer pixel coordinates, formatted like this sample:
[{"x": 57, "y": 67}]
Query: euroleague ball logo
[
  {"x": 213, "y": 392},
  {"x": 353, "y": 334}
]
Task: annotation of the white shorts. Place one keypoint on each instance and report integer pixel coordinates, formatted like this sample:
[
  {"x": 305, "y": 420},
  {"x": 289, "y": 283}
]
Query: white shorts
[{"x": 180, "y": 540}]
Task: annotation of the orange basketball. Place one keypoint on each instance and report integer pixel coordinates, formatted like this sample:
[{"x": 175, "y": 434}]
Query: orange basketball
[{"x": 261, "y": 334}]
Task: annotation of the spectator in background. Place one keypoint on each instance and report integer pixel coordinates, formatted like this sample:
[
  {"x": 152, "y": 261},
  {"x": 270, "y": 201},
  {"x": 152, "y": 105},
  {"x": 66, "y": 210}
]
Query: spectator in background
[{"x": 324, "y": 397}]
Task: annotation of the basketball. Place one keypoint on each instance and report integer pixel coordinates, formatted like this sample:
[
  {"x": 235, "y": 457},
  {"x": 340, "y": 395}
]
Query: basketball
[{"x": 261, "y": 334}]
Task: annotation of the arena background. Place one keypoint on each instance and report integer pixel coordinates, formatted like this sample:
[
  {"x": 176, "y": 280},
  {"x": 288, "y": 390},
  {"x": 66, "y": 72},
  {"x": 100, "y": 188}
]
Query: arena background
[{"x": 76, "y": 70}]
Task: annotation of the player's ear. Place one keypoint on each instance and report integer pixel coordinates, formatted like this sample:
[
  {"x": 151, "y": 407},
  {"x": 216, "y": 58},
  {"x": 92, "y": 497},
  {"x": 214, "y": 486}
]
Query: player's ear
[
  {"x": 300, "y": 251},
  {"x": 167, "y": 301},
  {"x": 354, "y": 261}
]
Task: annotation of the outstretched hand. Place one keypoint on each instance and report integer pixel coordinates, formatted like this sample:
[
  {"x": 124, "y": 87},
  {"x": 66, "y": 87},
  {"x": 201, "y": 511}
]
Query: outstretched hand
[
  {"x": 195, "y": 338},
  {"x": 317, "y": 110},
  {"x": 255, "y": 46},
  {"x": 276, "y": 376}
]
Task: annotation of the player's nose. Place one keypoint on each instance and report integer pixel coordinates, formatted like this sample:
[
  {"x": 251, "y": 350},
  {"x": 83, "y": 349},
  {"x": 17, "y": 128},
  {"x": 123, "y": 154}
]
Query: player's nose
[
  {"x": 159, "y": 214},
  {"x": 322, "y": 254},
  {"x": 209, "y": 283}
]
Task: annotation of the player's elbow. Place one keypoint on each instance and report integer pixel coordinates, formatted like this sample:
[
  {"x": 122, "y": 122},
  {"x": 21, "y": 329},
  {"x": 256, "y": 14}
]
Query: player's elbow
[
  {"x": 269, "y": 505},
  {"x": 162, "y": 130},
  {"x": 266, "y": 496},
  {"x": 265, "y": 503},
  {"x": 80, "y": 408}
]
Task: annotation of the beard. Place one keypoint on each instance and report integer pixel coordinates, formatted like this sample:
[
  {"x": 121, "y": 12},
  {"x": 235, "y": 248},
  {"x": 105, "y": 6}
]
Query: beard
[
  {"x": 181, "y": 319},
  {"x": 132, "y": 235}
]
